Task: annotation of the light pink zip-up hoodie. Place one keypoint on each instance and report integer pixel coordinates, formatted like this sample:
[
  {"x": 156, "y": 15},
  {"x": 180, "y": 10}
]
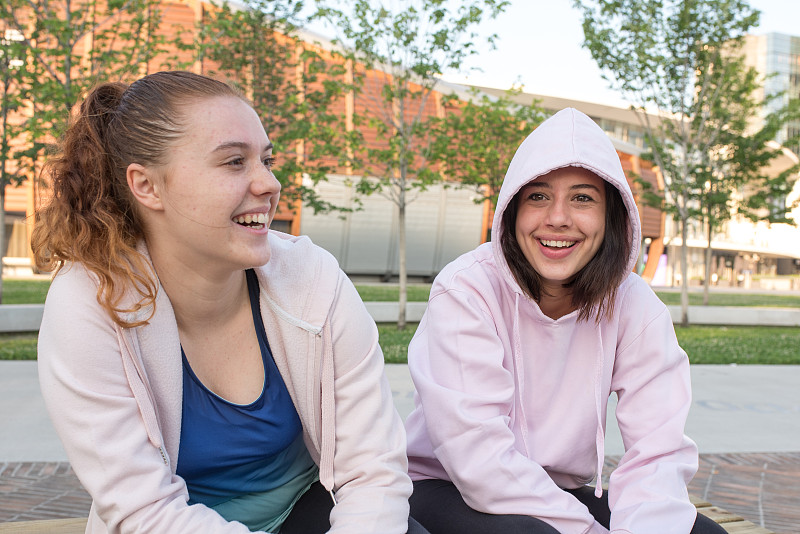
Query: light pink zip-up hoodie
[
  {"x": 115, "y": 398},
  {"x": 511, "y": 404}
]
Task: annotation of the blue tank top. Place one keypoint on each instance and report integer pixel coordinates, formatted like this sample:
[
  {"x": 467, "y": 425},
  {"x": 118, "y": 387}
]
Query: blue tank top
[{"x": 248, "y": 462}]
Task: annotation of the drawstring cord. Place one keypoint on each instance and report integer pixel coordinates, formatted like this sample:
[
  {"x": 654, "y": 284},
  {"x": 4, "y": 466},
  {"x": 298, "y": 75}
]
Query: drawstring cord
[
  {"x": 517, "y": 358},
  {"x": 600, "y": 434},
  {"x": 328, "y": 414}
]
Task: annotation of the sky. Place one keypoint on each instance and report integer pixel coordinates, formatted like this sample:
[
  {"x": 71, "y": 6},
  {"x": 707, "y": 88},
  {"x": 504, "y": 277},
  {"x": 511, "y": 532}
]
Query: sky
[{"x": 539, "y": 46}]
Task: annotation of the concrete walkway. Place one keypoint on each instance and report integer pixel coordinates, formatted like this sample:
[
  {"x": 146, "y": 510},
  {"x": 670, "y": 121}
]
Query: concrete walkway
[
  {"x": 735, "y": 409},
  {"x": 746, "y": 421},
  {"x": 753, "y": 408}
]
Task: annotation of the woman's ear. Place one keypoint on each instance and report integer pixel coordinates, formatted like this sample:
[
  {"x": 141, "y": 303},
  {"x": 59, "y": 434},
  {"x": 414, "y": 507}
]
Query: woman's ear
[{"x": 145, "y": 186}]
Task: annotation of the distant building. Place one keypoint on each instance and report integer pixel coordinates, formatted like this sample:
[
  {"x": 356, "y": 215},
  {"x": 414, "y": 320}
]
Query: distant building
[{"x": 777, "y": 57}]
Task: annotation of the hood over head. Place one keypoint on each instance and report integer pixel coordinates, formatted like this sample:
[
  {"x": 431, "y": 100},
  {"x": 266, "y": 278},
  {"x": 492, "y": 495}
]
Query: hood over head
[{"x": 567, "y": 139}]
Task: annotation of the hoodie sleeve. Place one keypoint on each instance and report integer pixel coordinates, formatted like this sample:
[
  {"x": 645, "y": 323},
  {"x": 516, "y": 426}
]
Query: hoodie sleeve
[
  {"x": 99, "y": 421},
  {"x": 464, "y": 377},
  {"x": 370, "y": 464},
  {"x": 647, "y": 491}
]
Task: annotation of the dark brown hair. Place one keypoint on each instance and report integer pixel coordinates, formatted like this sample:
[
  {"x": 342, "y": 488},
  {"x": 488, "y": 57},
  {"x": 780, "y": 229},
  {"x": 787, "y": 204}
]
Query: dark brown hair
[
  {"x": 92, "y": 217},
  {"x": 595, "y": 286}
]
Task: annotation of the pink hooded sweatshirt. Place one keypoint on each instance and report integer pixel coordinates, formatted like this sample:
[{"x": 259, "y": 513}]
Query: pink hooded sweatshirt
[{"x": 511, "y": 404}]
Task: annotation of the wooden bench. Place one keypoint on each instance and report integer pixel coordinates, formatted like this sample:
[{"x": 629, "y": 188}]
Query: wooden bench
[
  {"x": 732, "y": 523},
  {"x": 76, "y": 525}
]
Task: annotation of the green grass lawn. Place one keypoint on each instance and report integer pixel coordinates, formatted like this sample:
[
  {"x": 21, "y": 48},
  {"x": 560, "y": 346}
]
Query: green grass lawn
[
  {"x": 24, "y": 291},
  {"x": 390, "y": 293},
  {"x": 704, "y": 344},
  {"x": 733, "y": 299},
  {"x": 17, "y": 346},
  {"x": 740, "y": 344}
]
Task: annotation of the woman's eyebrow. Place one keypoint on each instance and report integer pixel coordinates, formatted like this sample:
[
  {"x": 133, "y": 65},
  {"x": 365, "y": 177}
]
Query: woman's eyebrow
[
  {"x": 585, "y": 186},
  {"x": 539, "y": 185},
  {"x": 239, "y": 144}
]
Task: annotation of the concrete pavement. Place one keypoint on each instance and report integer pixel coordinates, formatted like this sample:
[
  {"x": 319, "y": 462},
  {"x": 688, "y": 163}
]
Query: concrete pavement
[{"x": 736, "y": 409}]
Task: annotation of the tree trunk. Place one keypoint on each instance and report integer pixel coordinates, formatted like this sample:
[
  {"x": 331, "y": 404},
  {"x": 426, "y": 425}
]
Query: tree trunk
[
  {"x": 3, "y": 156},
  {"x": 401, "y": 238},
  {"x": 684, "y": 273},
  {"x": 2, "y": 231},
  {"x": 401, "y": 245},
  {"x": 707, "y": 282}
]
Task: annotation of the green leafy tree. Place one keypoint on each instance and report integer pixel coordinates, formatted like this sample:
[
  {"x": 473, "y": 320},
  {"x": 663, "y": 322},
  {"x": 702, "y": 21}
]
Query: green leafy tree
[
  {"x": 681, "y": 59},
  {"x": 72, "y": 45},
  {"x": 735, "y": 180},
  {"x": 66, "y": 47},
  {"x": 58, "y": 50},
  {"x": 477, "y": 138},
  {"x": 401, "y": 47},
  {"x": 11, "y": 60},
  {"x": 294, "y": 87}
]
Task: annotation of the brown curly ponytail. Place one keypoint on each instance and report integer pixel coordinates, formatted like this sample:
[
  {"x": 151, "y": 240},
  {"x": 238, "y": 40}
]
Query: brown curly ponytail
[{"x": 92, "y": 216}]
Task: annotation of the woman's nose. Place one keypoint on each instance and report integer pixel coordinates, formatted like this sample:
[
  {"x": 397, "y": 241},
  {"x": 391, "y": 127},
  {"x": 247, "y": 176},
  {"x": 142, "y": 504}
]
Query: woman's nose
[
  {"x": 558, "y": 214},
  {"x": 264, "y": 182}
]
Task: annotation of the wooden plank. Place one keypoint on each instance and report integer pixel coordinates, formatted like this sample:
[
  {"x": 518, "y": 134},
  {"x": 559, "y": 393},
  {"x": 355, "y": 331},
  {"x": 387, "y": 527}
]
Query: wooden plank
[
  {"x": 75, "y": 525},
  {"x": 744, "y": 527},
  {"x": 719, "y": 515},
  {"x": 698, "y": 502}
]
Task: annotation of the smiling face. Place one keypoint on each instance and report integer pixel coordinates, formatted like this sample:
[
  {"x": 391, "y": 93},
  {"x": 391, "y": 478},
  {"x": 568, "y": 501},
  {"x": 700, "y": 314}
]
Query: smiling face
[
  {"x": 560, "y": 223},
  {"x": 216, "y": 196}
]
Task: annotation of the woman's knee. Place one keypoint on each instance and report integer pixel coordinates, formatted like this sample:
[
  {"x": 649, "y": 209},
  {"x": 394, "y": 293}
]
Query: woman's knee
[
  {"x": 704, "y": 525},
  {"x": 440, "y": 508}
]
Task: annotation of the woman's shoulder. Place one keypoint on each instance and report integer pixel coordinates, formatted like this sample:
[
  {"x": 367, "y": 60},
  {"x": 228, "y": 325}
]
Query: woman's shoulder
[
  {"x": 635, "y": 289},
  {"x": 298, "y": 254},
  {"x": 300, "y": 278},
  {"x": 476, "y": 270},
  {"x": 636, "y": 301},
  {"x": 72, "y": 315},
  {"x": 72, "y": 286}
]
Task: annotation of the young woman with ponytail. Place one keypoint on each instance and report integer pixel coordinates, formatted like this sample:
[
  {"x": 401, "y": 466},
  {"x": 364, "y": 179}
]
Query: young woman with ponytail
[{"x": 205, "y": 373}]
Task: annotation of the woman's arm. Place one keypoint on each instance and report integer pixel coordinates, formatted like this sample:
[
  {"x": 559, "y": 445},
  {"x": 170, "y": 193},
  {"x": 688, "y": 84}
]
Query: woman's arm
[
  {"x": 99, "y": 421},
  {"x": 647, "y": 491},
  {"x": 370, "y": 464},
  {"x": 464, "y": 376}
]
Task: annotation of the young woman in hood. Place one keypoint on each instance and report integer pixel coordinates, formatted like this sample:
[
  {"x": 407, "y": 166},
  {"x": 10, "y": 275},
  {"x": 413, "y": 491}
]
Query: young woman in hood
[
  {"x": 204, "y": 373},
  {"x": 523, "y": 341}
]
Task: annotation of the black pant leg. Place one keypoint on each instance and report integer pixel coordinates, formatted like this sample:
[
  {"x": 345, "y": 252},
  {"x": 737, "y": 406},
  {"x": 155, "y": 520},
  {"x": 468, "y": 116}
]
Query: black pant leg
[
  {"x": 439, "y": 507},
  {"x": 600, "y": 510},
  {"x": 311, "y": 513},
  {"x": 597, "y": 507}
]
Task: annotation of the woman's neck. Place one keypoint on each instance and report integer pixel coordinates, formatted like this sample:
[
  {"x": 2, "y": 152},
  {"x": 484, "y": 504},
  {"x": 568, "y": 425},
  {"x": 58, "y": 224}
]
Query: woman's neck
[
  {"x": 200, "y": 297},
  {"x": 556, "y": 301}
]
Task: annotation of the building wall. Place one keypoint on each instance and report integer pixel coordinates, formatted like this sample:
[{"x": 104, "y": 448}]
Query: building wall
[
  {"x": 776, "y": 56},
  {"x": 442, "y": 223}
]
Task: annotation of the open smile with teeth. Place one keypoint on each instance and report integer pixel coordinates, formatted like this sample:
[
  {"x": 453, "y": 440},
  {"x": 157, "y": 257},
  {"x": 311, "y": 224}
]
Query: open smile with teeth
[
  {"x": 254, "y": 220},
  {"x": 549, "y": 243}
]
